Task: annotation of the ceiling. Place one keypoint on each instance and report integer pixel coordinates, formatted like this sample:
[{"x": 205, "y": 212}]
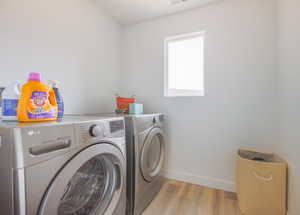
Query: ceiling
[{"x": 133, "y": 11}]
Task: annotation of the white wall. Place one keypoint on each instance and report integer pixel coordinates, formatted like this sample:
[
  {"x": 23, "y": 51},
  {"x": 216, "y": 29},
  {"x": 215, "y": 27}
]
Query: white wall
[
  {"x": 76, "y": 42},
  {"x": 73, "y": 41},
  {"x": 238, "y": 109},
  {"x": 289, "y": 76}
]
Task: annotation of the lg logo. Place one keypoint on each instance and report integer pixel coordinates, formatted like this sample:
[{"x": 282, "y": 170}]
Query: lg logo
[{"x": 33, "y": 132}]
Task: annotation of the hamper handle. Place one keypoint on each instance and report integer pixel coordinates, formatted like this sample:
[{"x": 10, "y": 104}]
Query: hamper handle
[{"x": 261, "y": 177}]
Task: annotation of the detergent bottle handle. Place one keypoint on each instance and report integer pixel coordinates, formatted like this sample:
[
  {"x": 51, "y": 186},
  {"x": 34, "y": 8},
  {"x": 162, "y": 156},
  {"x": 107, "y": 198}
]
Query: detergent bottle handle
[
  {"x": 52, "y": 97},
  {"x": 17, "y": 87}
]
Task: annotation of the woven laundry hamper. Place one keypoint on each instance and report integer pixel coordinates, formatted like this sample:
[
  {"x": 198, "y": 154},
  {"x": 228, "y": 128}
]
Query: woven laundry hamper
[{"x": 261, "y": 183}]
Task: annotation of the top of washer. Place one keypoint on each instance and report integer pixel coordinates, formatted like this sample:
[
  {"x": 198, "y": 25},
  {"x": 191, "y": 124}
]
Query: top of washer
[
  {"x": 124, "y": 115},
  {"x": 68, "y": 119}
]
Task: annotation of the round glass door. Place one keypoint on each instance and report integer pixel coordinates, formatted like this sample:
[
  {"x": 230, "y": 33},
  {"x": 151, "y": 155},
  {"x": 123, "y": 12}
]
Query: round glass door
[
  {"x": 152, "y": 155},
  {"x": 90, "y": 184}
]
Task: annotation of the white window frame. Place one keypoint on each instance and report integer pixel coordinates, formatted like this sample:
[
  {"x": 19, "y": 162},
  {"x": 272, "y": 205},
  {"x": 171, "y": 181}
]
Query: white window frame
[{"x": 177, "y": 92}]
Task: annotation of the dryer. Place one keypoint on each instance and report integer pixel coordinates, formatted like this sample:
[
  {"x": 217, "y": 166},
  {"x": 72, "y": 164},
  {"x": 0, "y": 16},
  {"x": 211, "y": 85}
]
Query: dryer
[
  {"x": 145, "y": 158},
  {"x": 77, "y": 166}
]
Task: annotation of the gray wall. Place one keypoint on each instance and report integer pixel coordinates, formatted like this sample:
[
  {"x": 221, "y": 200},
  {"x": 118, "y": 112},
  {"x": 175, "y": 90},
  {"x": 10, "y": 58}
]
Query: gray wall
[
  {"x": 73, "y": 41},
  {"x": 77, "y": 43},
  {"x": 289, "y": 85},
  {"x": 238, "y": 110}
]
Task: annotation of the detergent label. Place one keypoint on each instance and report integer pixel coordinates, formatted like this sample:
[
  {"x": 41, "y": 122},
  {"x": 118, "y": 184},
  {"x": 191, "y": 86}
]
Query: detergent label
[
  {"x": 40, "y": 107},
  {"x": 9, "y": 107}
]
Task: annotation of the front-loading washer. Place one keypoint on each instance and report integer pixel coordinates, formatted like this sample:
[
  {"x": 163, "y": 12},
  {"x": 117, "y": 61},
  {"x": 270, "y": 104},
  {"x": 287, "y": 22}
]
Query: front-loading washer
[
  {"x": 145, "y": 158},
  {"x": 77, "y": 166}
]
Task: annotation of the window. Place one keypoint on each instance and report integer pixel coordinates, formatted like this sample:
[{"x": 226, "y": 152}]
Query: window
[{"x": 184, "y": 65}]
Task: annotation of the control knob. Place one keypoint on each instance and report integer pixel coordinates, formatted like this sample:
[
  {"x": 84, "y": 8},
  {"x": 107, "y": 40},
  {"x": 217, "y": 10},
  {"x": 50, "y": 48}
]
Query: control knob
[{"x": 95, "y": 131}]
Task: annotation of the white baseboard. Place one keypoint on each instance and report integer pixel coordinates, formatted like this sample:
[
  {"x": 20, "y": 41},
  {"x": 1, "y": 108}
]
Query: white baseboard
[{"x": 201, "y": 180}]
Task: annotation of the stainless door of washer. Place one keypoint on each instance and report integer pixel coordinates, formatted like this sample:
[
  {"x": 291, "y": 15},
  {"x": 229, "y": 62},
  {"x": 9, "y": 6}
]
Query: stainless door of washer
[
  {"x": 89, "y": 184},
  {"x": 152, "y": 154}
]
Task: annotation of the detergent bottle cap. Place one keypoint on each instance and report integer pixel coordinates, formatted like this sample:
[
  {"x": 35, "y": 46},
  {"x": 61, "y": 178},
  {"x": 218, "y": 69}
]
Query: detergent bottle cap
[{"x": 33, "y": 76}]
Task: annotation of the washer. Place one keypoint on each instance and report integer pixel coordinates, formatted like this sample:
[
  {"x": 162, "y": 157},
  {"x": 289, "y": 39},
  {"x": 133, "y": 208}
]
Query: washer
[
  {"x": 145, "y": 158},
  {"x": 77, "y": 166}
]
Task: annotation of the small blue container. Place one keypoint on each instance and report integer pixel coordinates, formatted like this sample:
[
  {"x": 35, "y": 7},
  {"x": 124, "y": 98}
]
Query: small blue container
[{"x": 136, "y": 108}]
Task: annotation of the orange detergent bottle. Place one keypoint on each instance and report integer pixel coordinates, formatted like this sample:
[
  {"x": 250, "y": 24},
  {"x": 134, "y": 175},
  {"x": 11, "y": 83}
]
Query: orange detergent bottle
[{"x": 37, "y": 102}]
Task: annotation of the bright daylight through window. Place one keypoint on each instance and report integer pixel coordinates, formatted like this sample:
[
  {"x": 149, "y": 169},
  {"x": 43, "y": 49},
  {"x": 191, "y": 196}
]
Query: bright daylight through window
[{"x": 184, "y": 65}]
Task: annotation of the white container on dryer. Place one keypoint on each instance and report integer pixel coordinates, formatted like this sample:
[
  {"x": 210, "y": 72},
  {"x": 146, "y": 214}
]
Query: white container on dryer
[{"x": 10, "y": 98}]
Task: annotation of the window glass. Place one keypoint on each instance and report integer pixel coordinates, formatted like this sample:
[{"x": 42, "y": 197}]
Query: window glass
[{"x": 184, "y": 65}]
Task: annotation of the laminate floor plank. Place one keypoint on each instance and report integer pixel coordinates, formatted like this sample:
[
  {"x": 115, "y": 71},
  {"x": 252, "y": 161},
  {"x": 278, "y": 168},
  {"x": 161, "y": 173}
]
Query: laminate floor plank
[{"x": 180, "y": 198}]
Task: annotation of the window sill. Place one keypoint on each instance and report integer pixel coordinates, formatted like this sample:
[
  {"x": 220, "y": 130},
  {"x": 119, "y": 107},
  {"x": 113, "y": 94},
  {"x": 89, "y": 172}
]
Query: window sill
[{"x": 183, "y": 93}]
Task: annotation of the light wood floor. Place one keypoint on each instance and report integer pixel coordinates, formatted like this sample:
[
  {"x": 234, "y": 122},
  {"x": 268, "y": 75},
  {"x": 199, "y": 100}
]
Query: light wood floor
[{"x": 179, "y": 198}]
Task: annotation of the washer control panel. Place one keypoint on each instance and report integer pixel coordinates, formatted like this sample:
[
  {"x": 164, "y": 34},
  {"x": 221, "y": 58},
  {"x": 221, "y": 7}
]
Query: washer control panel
[
  {"x": 116, "y": 126},
  {"x": 99, "y": 130}
]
